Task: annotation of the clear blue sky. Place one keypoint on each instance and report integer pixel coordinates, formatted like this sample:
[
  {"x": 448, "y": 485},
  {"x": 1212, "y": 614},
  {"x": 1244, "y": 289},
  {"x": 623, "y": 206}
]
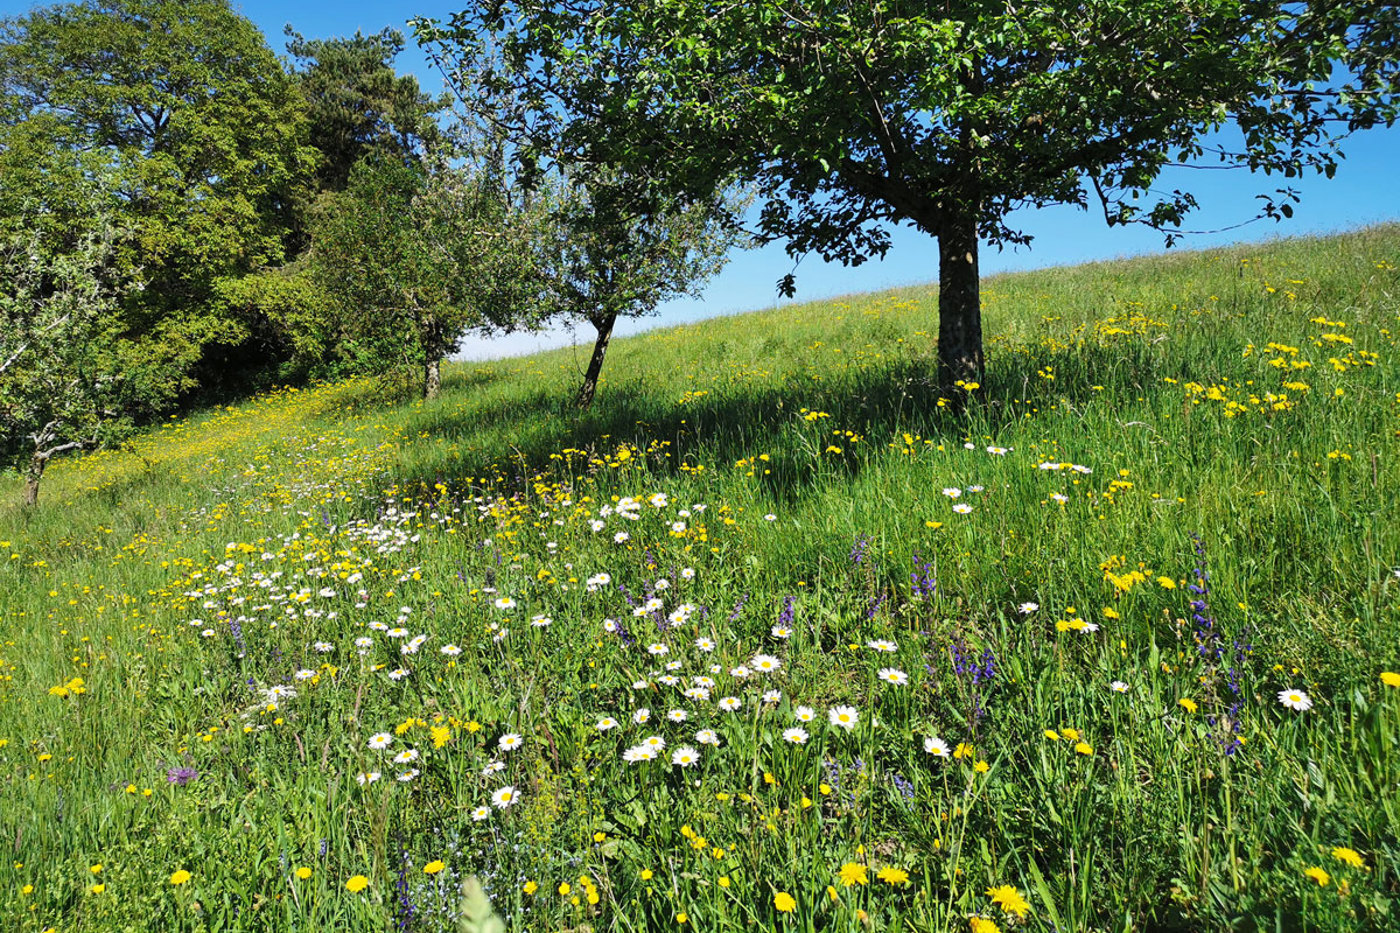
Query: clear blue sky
[{"x": 1366, "y": 189}]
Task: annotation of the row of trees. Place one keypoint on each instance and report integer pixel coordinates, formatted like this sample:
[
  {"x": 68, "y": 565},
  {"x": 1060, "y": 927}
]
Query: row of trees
[{"x": 184, "y": 216}]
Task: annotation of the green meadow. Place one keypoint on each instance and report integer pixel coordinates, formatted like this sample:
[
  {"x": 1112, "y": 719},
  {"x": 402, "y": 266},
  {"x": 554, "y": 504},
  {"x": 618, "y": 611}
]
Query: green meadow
[{"x": 771, "y": 638}]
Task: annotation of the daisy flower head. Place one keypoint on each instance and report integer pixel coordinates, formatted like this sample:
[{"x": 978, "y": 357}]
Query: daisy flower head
[
  {"x": 504, "y": 797},
  {"x": 621, "y": 537},
  {"x": 380, "y": 740},
  {"x": 606, "y": 723},
  {"x": 936, "y": 747},
  {"x": 1027, "y": 608},
  {"x": 882, "y": 645},
  {"x": 684, "y": 757},
  {"x": 781, "y": 631},
  {"x": 657, "y": 649},
  {"x": 688, "y": 573},
  {"x": 770, "y": 517},
  {"x": 678, "y": 715},
  {"x": 398, "y": 674},
  {"x": 772, "y": 696},
  {"x": 962, "y": 508},
  {"x": 504, "y": 603},
  {"x": 893, "y": 675},
  {"x": 493, "y": 767},
  {"x": 406, "y": 756},
  {"x": 365, "y": 778},
  {"x": 638, "y": 753},
  {"x": 740, "y": 672},
  {"x": 641, "y": 715},
  {"x": 1295, "y": 699},
  {"x": 705, "y": 645},
  {"x": 707, "y": 737},
  {"x": 408, "y": 775},
  {"x": 481, "y": 813},
  {"x": 541, "y": 621},
  {"x": 730, "y": 704},
  {"x": 510, "y": 741},
  {"x": 804, "y": 714},
  {"x": 1118, "y": 687},
  {"x": 450, "y": 651},
  {"x": 952, "y": 492},
  {"x": 697, "y": 693},
  {"x": 845, "y": 717},
  {"x": 655, "y": 742},
  {"x": 796, "y": 735}
]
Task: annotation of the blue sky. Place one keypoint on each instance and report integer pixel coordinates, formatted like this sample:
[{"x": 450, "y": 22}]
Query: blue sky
[{"x": 1366, "y": 189}]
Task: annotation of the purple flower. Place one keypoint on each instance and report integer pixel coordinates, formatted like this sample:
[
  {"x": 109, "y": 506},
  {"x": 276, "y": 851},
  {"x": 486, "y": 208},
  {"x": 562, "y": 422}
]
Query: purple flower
[{"x": 181, "y": 776}]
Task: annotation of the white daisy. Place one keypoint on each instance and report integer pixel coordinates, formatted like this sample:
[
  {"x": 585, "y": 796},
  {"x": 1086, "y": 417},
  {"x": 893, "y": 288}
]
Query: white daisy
[
  {"x": 730, "y": 704},
  {"x": 804, "y": 714},
  {"x": 685, "y": 757},
  {"x": 641, "y": 716},
  {"x": 882, "y": 645},
  {"x": 510, "y": 742},
  {"x": 678, "y": 715},
  {"x": 1295, "y": 699},
  {"x": 450, "y": 650},
  {"x": 766, "y": 663},
  {"x": 655, "y": 742},
  {"x": 481, "y": 813},
  {"x": 606, "y": 723},
  {"x": 504, "y": 797},
  {"x": 505, "y": 602},
  {"x": 796, "y": 735},
  {"x": 408, "y": 775},
  {"x": 772, "y": 696},
  {"x": 380, "y": 740},
  {"x": 936, "y": 747},
  {"x": 1027, "y": 608},
  {"x": 893, "y": 675},
  {"x": 367, "y": 777},
  {"x": 781, "y": 631},
  {"x": 844, "y": 716},
  {"x": 1118, "y": 687},
  {"x": 407, "y": 756},
  {"x": 638, "y": 753},
  {"x": 707, "y": 737},
  {"x": 705, "y": 645},
  {"x": 952, "y": 492},
  {"x": 962, "y": 508}
]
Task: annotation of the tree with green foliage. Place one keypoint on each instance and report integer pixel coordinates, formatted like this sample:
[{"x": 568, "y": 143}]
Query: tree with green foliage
[
  {"x": 415, "y": 255},
  {"x": 205, "y": 136},
  {"x": 67, "y": 375},
  {"x": 947, "y": 116},
  {"x": 356, "y": 102},
  {"x": 604, "y": 258}
]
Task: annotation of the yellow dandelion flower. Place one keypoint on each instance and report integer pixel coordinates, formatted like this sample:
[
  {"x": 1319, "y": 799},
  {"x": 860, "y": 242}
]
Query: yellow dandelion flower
[
  {"x": 1009, "y": 900},
  {"x": 180, "y": 877},
  {"x": 853, "y": 873},
  {"x": 356, "y": 884},
  {"x": 1390, "y": 679},
  {"x": 433, "y": 867},
  {"x": 983, "y": 925},
  {"x": 303, "y": 873},
  {"x": 784, "y": 902},
  {"x": 891, "y": 875},
  {"x": 1188, "y": 705},
  {"x": 531, "y": 887},
  {"x": 1350, "y": 856},
  {"x": 1084, "y": 748},
  {"x": 1318, "y": 875}
]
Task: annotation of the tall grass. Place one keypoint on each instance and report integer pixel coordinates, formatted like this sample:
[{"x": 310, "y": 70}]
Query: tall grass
[{"x": 1186, "y": 463}]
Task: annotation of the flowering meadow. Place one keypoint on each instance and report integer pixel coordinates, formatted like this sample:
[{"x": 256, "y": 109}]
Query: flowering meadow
[{"x": 771, "y": 638}]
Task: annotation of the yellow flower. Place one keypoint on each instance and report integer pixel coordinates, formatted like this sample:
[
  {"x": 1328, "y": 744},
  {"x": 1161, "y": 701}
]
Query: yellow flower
[
  {"x": 1390, "y": 679},
  {"x": 681, "y": 918},
  {"x": 98, "y": 888},
  {"x": 531, "y": 887},
  {"x": 831, "y": 893},
  {"x": 1071, "y": 734},
  {"x": 1084, "y": 748},
  {"x": 724, "y": 881},
  {"x": 784, "y": 902},
  {"x": 95, "y": 869},
  {"x": 1350, "y": 856},
  {"x": 1009, "y": 899},
  {"x": 564, "y": 888},
  {"x": 1318, "y": 875},
  {"x": 27, "y": 889},
  {"x": 983, "y": 925},
  {"x": 1052, "y": 735},
  {"x": 180, "y": 877},
  {"x": 356, "y": 884},
  {"x": 433, "y": 867},
  {"x": 646, "y": 874},
  {"x": 981, "y": 767},
  {"x": 1188, "y": 705},
  {"x": 892, "y": 875},
  {"x": 853, "y": 873},
  {"x": 303, "y": 873}
]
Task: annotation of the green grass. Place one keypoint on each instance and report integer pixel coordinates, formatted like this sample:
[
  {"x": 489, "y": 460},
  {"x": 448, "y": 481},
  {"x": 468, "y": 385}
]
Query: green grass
[{"x": 1233, "y": 413}]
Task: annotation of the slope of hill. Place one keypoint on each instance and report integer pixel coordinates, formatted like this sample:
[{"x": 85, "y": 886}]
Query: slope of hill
[{"x": 770, "y": 636}]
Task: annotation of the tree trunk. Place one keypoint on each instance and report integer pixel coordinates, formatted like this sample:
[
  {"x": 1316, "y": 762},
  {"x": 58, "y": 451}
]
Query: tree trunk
[
  {"x": 959, "y": 304},
  {"x": 31, "y": 479},
  {"x": 604, "y": 326},
  {"x": 432, "y": 378}
]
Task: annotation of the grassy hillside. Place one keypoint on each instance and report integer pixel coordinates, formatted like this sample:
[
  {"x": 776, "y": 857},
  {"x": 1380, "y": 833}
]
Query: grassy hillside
[{"x": 769, "y": 638}]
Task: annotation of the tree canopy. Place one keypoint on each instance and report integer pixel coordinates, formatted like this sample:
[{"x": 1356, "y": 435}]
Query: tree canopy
[{"x": 947, "y": 116}]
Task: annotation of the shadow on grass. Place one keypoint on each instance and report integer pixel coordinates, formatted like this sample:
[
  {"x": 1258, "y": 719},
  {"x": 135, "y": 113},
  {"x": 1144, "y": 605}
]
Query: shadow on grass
[{"x": 520, "y": 435}]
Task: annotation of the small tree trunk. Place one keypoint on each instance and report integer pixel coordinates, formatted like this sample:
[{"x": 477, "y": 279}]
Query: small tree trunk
[
  {"x": 604, "y": 326},
  {"x": 959, "y": 304},
  {"x": 432, "y": 378},
  {"x": 32, "y": 475}
]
